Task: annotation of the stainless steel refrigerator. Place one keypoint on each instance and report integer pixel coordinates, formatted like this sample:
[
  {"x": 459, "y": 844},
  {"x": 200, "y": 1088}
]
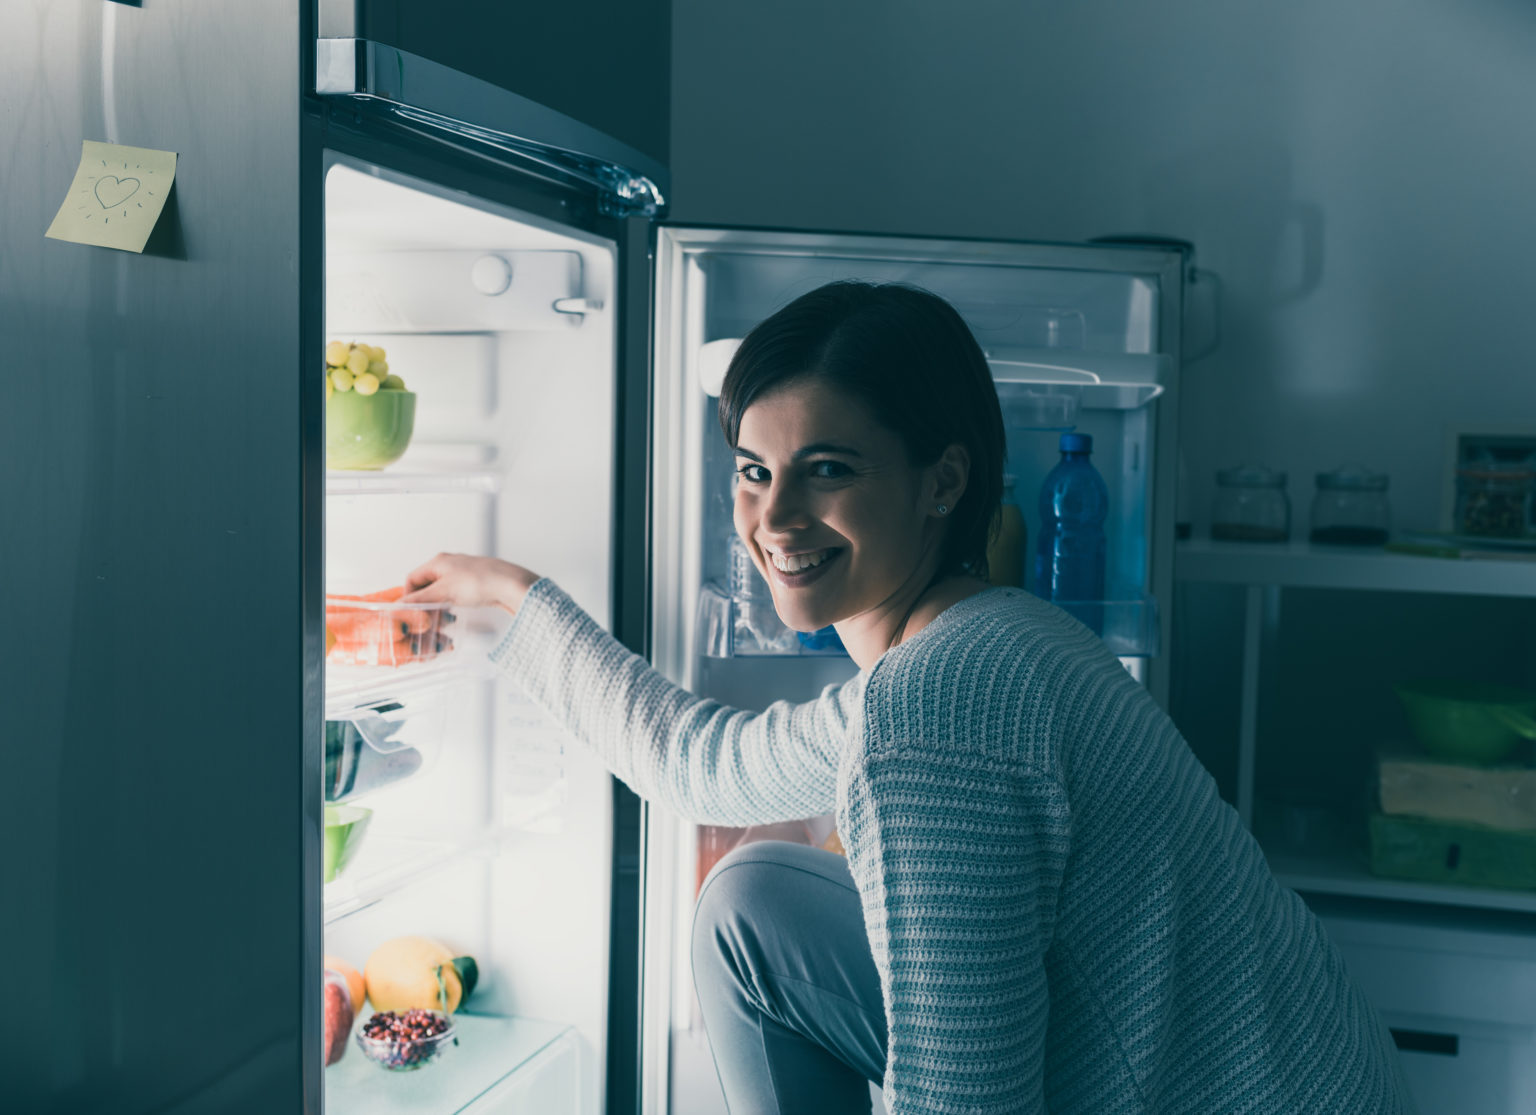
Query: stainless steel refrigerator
[{"x": 176, "y": 531}]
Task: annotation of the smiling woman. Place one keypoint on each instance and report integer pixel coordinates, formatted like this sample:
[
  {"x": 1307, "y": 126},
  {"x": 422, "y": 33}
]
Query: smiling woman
[{"x": 1045, "y": 902}]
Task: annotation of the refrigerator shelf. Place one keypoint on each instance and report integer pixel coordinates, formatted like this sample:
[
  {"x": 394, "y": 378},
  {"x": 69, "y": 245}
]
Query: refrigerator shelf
[
  {"x": 1302, "y": 565},
  {"x": 355, "y": 689},
  {"x": 386, "y": 862},
  {"x": 499, "y": 1060},
  {"x": 385, "y": 482},
  {"x": 1340, "y": 868}
]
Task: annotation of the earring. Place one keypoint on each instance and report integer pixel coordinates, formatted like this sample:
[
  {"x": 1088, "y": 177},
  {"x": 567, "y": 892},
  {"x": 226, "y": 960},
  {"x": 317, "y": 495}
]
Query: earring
[{"x": 942, "y": 509}]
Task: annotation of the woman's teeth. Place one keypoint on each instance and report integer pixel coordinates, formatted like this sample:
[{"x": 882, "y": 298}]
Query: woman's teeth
[{"x": 794, "y": 563}]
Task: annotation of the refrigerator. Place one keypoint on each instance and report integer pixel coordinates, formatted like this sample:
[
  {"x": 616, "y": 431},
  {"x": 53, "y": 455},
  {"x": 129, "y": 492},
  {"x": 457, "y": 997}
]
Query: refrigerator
[{"x": 564, "y": 342}]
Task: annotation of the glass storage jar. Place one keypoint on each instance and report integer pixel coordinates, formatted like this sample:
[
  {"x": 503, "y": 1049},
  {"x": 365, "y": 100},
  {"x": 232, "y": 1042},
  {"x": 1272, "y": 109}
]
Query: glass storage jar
[
  {"x": 1350, "y": 508},
  {"x": 1250, "y": 505},
  {"x": 1495, "y": 502}
]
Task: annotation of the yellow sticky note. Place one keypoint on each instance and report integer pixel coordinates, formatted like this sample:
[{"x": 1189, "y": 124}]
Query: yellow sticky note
[{"x": 116, "y": 197}]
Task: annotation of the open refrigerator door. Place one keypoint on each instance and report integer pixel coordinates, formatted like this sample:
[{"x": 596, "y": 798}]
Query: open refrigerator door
[
  {"x": 459, "y": 822},
  {"x": 1079, "y": 337}
]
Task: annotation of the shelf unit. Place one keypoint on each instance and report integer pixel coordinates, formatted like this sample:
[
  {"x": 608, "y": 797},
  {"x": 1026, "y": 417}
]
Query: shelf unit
[
  {"x": 1265, "y": 571},
  {"x": 493, "y": 1052}
]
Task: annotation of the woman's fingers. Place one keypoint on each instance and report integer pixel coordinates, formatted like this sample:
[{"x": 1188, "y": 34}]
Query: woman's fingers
[{"x": 431, "y": 582}]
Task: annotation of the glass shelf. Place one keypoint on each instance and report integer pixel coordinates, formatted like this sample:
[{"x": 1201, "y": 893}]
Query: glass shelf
[
  {"x": 418, "y": 479},
  {"x": 491, "y": 1048},
  {"x": 352, "y": 688},
  {"x": 385, "y": 862}
]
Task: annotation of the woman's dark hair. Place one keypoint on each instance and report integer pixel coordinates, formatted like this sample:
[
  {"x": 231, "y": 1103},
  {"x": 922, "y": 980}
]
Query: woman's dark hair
[{"x": 907, "y": 356}]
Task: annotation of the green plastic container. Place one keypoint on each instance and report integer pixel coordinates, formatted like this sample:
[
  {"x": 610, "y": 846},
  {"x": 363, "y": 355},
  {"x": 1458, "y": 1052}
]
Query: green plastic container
[
  {"x": 1448, "y": 852},
  {"x": 368, "y": 431},
  {"x": 344, "y": 828},
  {"x": 1471, "y": 721}
]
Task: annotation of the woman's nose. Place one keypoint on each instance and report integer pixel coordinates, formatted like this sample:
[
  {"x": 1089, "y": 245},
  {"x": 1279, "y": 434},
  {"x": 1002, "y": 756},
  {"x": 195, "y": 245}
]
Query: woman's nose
[{"x": 783, "y": 509}]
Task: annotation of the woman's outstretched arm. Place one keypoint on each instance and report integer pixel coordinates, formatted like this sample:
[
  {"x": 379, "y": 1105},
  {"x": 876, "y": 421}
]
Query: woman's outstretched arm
[{"x": 708, "y": 762}]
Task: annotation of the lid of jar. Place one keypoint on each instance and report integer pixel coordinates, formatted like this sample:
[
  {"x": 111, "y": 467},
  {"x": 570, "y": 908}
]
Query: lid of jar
[
  {"x": 1352, "y": 478},
  {"x": 1077, "y": 443},
  {"x": 1250, "y": 476}
]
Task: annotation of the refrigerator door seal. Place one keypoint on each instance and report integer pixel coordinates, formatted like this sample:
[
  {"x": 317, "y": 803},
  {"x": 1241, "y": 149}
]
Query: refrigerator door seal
[{"x": 465, "y": 112}]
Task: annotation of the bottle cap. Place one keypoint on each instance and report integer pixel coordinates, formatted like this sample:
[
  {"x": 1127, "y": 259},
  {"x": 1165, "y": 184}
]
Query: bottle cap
[{"x": 1077, "y": 443}]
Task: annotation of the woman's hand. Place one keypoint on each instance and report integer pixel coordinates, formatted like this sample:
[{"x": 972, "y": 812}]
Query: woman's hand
[{"x": 469, "y": 581}]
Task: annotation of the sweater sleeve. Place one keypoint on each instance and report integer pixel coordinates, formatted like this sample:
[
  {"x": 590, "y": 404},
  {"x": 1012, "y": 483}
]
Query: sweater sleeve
[
  {"x": 959, "y": 861},
  {"x": 710, "y": 763}
]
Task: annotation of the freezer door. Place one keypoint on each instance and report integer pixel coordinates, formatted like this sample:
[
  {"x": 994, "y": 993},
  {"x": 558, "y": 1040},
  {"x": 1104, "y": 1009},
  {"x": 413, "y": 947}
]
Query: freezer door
[
  {"x": 1077, "y": 335},
  {"x": 447, "y": 106}
]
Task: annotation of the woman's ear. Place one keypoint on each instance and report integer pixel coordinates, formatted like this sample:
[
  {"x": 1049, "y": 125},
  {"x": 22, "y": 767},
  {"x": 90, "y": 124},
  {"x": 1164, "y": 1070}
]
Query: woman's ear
[{"x": 949, "y": 475}]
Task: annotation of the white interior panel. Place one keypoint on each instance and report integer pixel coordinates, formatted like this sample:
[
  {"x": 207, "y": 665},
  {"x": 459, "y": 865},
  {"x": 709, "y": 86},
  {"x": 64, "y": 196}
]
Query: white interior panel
[{"x": 501, "y": 845}]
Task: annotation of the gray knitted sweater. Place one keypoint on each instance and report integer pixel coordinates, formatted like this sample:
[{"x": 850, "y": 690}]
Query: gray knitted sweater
[{"x": 1064, "y": 914}]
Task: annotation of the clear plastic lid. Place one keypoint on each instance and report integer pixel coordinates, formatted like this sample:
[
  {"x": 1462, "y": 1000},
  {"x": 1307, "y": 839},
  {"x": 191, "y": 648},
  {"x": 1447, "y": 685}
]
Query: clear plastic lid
[
  {"x": 1352, "y": 478},
  {"x": 1250, "y": 476}
]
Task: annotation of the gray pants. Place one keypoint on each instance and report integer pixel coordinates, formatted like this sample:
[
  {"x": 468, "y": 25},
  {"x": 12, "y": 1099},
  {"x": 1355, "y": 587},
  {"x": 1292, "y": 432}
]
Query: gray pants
[{"x": 786, "y": 981}]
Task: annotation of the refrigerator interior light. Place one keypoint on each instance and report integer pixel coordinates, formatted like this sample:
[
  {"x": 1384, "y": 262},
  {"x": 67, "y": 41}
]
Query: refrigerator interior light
[{"x": 714, "y": 361}]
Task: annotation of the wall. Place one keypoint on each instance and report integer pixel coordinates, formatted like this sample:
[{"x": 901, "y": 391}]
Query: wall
[{"x": 1358, "y": 175}]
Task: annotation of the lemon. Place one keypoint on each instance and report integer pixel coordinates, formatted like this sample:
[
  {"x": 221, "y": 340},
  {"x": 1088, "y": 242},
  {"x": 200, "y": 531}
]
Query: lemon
[
  {"x": 342, "y": 379},
  {"x": 336, "y": 353},
  {"x": 366, "y": 384}
]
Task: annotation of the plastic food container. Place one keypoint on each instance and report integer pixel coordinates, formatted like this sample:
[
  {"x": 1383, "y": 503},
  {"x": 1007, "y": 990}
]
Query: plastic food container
[
  {"x": 383, "y": 633},
  {"x": 1494, "y": 502},
  {"x": 1350, "y": 508},
  {"x": 398, "y": 1053},
  {"x": 1251, "y": 505}
]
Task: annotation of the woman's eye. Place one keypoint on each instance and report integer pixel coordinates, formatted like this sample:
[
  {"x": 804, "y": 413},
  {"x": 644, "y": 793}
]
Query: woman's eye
[
  {"x": 753, "y": 474},
  {"x": 829, "y": 470}
]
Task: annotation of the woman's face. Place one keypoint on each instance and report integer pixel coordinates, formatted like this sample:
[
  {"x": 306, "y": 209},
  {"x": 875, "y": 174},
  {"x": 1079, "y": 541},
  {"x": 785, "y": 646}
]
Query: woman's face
[{"x": 835, "y": 516}]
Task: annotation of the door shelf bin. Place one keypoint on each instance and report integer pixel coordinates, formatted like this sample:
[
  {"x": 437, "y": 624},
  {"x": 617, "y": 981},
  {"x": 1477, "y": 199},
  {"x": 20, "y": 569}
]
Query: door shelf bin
[
  {"x": 1128, "y": 625},
  {"x": 728, "y": 628},
  {"x": 732, "y": 628}
]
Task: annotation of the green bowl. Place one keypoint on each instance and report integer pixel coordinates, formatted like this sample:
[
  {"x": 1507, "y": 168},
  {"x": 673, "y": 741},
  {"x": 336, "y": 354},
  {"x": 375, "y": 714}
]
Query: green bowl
[
  {"x": 368, "y": 431},
  {"x": 344, "y": 828},
  {"x": 1466, "y": 720}
]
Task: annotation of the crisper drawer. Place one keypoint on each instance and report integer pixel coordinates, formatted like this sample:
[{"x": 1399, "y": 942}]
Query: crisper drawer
[
  {"x": 1458, "y": 991},
  {"x": 1464, "y": 1066}
]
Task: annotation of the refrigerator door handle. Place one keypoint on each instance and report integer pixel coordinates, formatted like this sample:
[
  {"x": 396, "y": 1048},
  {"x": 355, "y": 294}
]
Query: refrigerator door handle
[{"x": 466, "y": 111}]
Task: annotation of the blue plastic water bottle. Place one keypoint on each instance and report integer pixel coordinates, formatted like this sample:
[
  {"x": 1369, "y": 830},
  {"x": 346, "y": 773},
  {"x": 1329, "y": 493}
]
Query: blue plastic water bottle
[{"x": 1069, "y": 563}]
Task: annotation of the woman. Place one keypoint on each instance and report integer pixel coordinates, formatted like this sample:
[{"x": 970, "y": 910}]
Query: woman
[{"x": 1045, "y": 904}]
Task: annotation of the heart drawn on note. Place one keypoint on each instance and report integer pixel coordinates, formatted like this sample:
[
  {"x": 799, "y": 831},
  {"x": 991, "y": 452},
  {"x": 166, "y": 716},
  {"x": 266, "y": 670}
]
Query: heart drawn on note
[{"x": 112, "y": 192}]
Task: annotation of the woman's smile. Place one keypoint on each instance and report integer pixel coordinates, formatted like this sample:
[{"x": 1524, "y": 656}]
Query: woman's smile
[{"x": 798, "y": 569}]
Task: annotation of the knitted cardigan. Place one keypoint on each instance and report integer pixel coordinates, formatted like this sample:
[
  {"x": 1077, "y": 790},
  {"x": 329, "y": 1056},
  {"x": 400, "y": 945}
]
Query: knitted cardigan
[{"x": 1064, "y": 914}]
